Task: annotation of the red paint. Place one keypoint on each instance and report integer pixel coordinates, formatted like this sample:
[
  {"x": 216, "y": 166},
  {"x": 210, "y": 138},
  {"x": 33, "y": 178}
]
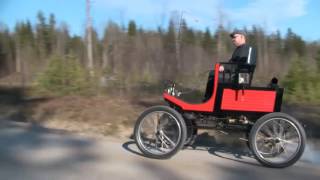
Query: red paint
[
  {"x": 248, "y": 100},
  {"x": 208, "y": 106}
]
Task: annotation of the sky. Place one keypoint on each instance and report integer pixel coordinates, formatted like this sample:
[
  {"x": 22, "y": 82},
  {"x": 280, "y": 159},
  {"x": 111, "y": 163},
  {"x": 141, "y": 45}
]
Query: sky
[{"x": 302, "y": 16}]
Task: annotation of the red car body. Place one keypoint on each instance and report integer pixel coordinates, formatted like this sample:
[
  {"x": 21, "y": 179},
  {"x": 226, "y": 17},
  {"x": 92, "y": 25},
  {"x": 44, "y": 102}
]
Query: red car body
[{"x": 226, "y": 98}]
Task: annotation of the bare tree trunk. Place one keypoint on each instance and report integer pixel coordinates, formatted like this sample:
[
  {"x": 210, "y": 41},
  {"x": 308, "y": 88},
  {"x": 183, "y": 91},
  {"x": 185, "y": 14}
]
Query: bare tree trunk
[
  {"x": 178, "y": 44},
  {"x": 103, "y": 78},
  {"x": 18, "y": 60},
  {"x": 61, "y": 43},
  {"x": 265, "y": 56},
  {"x": 261, "y": 64},
  {"x": 105, "y": 58},
  {"x": 219, "y": 46},
  {"x": 89, "y": 40},
  {"x": 23, "y": 74}
]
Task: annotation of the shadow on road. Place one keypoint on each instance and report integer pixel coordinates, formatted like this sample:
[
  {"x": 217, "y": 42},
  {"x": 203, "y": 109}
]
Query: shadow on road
[
  {"x": 27, "y": 146},
  {"x": 227, "y": 149},
  {"x": 16, "y": 106},
  {"x": 127, "y": 146}
]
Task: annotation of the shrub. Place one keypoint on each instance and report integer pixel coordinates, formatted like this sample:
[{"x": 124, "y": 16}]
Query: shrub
[{"x": 63, "y": 76}]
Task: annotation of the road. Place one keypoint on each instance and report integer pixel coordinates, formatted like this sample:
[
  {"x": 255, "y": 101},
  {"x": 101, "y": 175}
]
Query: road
[{"x": 30, "y": 152}]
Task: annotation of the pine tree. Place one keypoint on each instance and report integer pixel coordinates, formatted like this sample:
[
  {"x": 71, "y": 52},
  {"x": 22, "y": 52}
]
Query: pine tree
[
  {"x": 43, "y": 42},
  {"x": 187, "y": 35},
  {"x": 169, "y": 38},
  {"x": 132, "y": 28},
  {"x": 6, "y": 52},
  {"x": 317, "y": 58},
  {"x": 63, "y": 46},
  {"x": 207, "y": 41},
  {"x": 317, "y": 93},
  {"x": 64, "y": 75},
  {"x": 294, "y": 44},
  {"x": 223, "y": 44},
  {"x": 296, "y": 80},
  {"x": 52, "y": 35},
  {"x": 278, "y": 42},
  {"x": 170, "y": 64}
]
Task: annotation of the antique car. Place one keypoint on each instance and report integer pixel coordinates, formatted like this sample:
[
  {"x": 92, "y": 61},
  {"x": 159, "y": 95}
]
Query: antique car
[{"x": 275, "y": 139}]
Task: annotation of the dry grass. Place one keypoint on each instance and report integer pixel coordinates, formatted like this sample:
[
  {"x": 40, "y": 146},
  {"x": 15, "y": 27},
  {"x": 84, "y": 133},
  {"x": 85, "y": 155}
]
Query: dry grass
[{"x": 98, "y": 115}]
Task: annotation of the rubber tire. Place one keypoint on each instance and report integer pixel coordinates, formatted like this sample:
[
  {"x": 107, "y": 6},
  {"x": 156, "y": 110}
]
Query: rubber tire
[
  {"x": 192, "y": 132},
  {"x": 257, "y": 125},
  {"x": 180, "y": 121}
]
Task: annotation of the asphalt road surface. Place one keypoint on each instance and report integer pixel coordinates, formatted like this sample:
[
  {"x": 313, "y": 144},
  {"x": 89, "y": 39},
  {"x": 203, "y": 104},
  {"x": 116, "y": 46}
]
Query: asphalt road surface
[{"x": 30, "y": 152}]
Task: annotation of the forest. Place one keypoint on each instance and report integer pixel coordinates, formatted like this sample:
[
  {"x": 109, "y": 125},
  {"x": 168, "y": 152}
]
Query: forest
[{"x": 45, "y": 56}]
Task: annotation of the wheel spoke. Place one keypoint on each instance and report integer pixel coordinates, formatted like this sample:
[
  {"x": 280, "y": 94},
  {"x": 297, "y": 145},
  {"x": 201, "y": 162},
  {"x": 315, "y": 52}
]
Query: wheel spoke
[
  {"x": 155, "y": 123},
  {"x": 167, "y": 138},
  {"x": 277, "y": 140},
  {"x": 265, "y": 133},
  {"x": 159, "y": 133},
  {"x": 289, "y": 142},
  {"x": 268, "y": 131},
  {"x": 281, "y": 129},
  {"x": 274, "y": 129}
]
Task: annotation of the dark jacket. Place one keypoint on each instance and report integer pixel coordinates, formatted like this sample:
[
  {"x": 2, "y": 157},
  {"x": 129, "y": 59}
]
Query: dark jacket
[
  {"x": 246, "y": 57},
  {"x": 244, "y": 54}
]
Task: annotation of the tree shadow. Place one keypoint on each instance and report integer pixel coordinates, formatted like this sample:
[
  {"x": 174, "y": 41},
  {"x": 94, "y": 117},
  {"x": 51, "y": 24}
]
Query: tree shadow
[
  {"x": 32, "y": 148},
  {"x": 160, "y": 171},
  {"x": 15, "y": 105}
]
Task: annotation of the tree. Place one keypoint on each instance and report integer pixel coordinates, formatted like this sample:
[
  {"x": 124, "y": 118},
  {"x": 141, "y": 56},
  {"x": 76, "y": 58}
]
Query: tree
[
  {"x": 296, "y": 80},
  {"x": 223, "y": 44},
  {"x": 188, "y": 37},
  {"x": 62, "y": 38},
  {"x": 24, "y": 41},
  {"x": 6, "y": 52},
  {"x": 318, "y": 60},
  {"x": 111, "y": 39},
  {"x": 207, "y": 42},
  {"x": 169, "y": 38},
  {"x": 77, "y": 47},
  {"x": 43, "y": 40},
  {"x": 52, "y": 35},
  {"x": 294, "y": 44},
  {"x": 170, "y": 64},
  {"x": 64, "y": 75},
  {"x": 97, "y": 49},
  {"x": 132, "y": 28}
]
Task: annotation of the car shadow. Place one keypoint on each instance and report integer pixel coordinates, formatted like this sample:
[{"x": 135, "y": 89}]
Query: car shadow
[
  {"x": 127, "y": 146},
  {"x": 228, "y": 148}
]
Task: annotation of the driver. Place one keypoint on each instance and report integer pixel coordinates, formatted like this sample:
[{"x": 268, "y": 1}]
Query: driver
[{"x": 244, "y": 54}]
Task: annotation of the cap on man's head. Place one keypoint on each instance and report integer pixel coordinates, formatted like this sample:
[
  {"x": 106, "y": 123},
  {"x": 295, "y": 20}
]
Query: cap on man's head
[{"x": 237, "y": 31}]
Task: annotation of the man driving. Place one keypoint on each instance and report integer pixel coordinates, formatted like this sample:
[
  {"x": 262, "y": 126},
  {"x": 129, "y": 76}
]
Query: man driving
[{"x": 244, "y": 55}]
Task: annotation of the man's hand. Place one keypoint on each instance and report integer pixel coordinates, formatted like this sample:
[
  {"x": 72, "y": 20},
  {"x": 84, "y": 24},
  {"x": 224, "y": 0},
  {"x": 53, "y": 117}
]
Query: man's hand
[{"x": 221, "y": 68}]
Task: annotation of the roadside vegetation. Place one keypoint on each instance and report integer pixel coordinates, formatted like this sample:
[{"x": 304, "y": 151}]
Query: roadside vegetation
[{"x": 46, "y": 68}]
